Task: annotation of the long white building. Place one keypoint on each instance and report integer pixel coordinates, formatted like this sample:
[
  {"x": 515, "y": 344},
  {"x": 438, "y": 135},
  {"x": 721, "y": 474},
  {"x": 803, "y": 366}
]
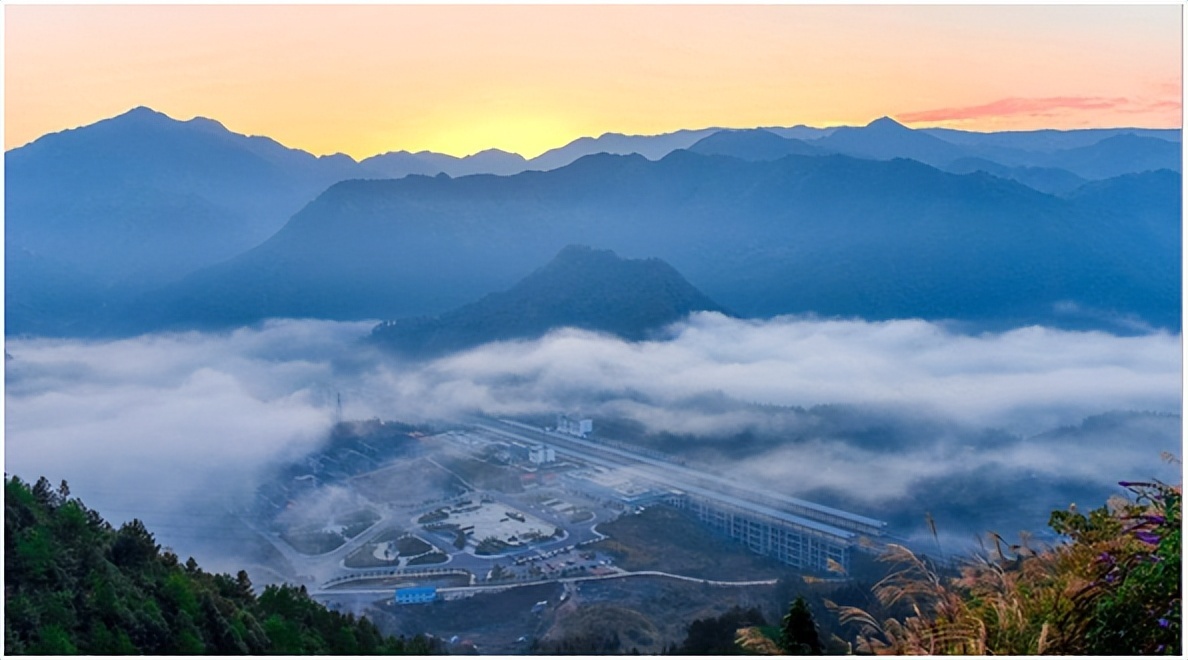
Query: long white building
[
  {"x": 785, "y": 537},
  {"x": 791, "y": 530}
]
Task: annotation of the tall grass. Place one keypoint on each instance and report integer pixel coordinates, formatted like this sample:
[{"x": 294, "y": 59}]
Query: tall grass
[{"x": 1112, "y": 586}]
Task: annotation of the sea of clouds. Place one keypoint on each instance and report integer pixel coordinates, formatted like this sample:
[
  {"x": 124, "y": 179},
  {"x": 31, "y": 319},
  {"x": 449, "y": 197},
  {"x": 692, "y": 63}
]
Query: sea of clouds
[{"x": 138, "y": 425}]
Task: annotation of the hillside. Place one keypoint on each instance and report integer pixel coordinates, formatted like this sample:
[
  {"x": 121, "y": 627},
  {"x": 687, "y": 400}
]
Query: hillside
[
  {"x": 130, "y": 203},
  {"x": 830, "y": 235},
  {"x": 75, "y": 585},
  {"x": 1118, "y": 155},
  {"x": 144, "y": 195},
  {"x": 580, "y": 287},
  {"x": 1050, "y": 180}
]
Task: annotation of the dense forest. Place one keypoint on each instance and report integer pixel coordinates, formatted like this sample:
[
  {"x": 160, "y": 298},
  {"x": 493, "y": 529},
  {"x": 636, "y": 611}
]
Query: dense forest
[{"x": 76, "y": 585}]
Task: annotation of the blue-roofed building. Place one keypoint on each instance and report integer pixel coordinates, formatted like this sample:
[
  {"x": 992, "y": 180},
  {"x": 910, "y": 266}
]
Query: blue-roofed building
[{"x": 410, "y": 595}]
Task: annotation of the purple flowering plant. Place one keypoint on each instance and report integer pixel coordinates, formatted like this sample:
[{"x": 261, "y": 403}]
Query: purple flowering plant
[{"x": 1136, "y": 608}]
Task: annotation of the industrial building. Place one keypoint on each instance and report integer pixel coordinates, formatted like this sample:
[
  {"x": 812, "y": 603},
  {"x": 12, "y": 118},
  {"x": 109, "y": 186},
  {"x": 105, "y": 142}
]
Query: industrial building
[
  {"x": 785, "y": 537},
  {"x": 791, "y": 530}
]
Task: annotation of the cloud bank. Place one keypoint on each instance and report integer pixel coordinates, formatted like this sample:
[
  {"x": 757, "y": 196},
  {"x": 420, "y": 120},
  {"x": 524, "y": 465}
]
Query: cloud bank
[
  {"x": 1027, "y": 379},
  {"x": 139, "y": 425}
]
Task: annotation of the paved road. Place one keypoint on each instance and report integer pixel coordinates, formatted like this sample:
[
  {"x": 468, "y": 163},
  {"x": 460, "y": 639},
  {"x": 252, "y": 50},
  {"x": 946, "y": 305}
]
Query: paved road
[{"x": 446, "y": 592}]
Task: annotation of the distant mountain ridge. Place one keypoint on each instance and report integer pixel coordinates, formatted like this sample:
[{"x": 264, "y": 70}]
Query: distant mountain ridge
[
  {"x": 581, "y": 287},
  {"x": 884, "y": 139},
  {"x": 397, "y": 164},
  {"x": 756, "y": 144},
  {"x": 1055, "y": 162},
  {"x": 652, "y": 147}
]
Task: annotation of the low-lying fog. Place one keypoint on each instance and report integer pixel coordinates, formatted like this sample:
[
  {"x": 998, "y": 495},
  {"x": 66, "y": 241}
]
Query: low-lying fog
[{"x": 151, "y": 426}]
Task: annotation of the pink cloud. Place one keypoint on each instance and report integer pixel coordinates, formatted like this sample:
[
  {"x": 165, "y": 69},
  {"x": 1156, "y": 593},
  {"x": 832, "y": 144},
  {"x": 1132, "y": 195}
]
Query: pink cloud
[
  {"x": 1157, "y": 105},
  {"x": 1017, "y": 106}
]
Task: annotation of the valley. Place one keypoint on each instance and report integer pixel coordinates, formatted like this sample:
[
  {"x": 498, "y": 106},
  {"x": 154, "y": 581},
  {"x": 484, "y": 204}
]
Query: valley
[
  {"x": 550, "y": 527},
  {"x": 593, "y": 329}
]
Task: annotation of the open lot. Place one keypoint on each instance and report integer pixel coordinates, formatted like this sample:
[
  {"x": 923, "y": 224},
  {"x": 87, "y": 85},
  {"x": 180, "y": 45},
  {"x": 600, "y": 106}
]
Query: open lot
[
  {"x": 316, "y": 540},
  {"x": 407, "y": 481},
  {"x": 664, "y": 539},
  {"x": 494, "y": 527},
  {"x": 564, "y": 507},
  {"x": 394, "y": 549}
]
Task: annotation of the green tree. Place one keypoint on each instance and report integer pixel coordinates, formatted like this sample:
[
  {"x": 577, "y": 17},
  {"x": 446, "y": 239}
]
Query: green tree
[
  {"x": 716, "y": 636},
  {"x": 134, "y": 545},
  {"x": 799, "y": 630}
]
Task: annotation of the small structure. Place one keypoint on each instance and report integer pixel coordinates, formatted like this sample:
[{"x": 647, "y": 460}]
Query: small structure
[
  {"x": 579, "y": 427},
  {"x": 411, "y": 595},
  {"x": 541, "y": 454}
]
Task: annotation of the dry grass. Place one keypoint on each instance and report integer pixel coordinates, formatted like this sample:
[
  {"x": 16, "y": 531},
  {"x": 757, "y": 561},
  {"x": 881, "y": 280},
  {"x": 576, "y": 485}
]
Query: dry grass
[
  {"x": 1008, "y": 599},
  {"x": 1013, "y": 601},
  {"x": 752, "y": 640},
  {"x": 940, "y": 623}
]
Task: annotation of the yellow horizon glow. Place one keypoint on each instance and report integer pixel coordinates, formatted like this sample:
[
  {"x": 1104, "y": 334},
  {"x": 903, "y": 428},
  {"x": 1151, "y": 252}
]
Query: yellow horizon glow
[{"x": 368, "y": 79}]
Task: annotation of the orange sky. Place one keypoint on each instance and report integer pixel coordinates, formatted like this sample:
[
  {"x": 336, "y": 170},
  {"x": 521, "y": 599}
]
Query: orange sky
[{"x": 367, "y": 79}]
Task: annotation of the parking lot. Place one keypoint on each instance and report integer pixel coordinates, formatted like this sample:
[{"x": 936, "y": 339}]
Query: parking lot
[{"x": 499, "y": 521}]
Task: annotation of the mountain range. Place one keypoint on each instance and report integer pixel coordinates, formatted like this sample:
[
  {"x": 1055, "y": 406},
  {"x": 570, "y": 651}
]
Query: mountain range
[
  {"x": 1047, "y": 164},
  {"x": 141, "y": 221},
  {"x": 831, "y": 235}
]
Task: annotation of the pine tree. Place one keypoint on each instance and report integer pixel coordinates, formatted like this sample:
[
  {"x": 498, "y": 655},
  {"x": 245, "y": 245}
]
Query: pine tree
[{"x": 799, "y": 630}]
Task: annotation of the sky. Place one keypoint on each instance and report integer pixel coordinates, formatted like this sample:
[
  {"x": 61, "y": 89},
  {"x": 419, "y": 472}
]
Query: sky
[{"x": 363, "y": 80}]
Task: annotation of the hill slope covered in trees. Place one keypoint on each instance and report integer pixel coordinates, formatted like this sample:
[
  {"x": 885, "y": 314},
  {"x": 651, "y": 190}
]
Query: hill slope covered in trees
[
  {"x": 581, "y": 287},
  {"x": 76, "y": 585}
]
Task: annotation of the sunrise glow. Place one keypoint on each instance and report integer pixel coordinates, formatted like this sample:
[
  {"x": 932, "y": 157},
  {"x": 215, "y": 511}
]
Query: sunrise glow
[{"x": 369, "y": 79}]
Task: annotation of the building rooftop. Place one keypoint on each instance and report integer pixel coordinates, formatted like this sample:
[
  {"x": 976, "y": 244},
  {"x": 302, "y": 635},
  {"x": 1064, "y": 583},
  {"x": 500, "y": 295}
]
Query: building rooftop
[
  {"x": 416, "y": 591},
  {"x": 769, "y": 512}
]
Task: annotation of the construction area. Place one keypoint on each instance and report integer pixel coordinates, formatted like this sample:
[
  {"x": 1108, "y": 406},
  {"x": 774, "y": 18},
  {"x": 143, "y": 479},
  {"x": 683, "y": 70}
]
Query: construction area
[{"x": 495, "y": 504}]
